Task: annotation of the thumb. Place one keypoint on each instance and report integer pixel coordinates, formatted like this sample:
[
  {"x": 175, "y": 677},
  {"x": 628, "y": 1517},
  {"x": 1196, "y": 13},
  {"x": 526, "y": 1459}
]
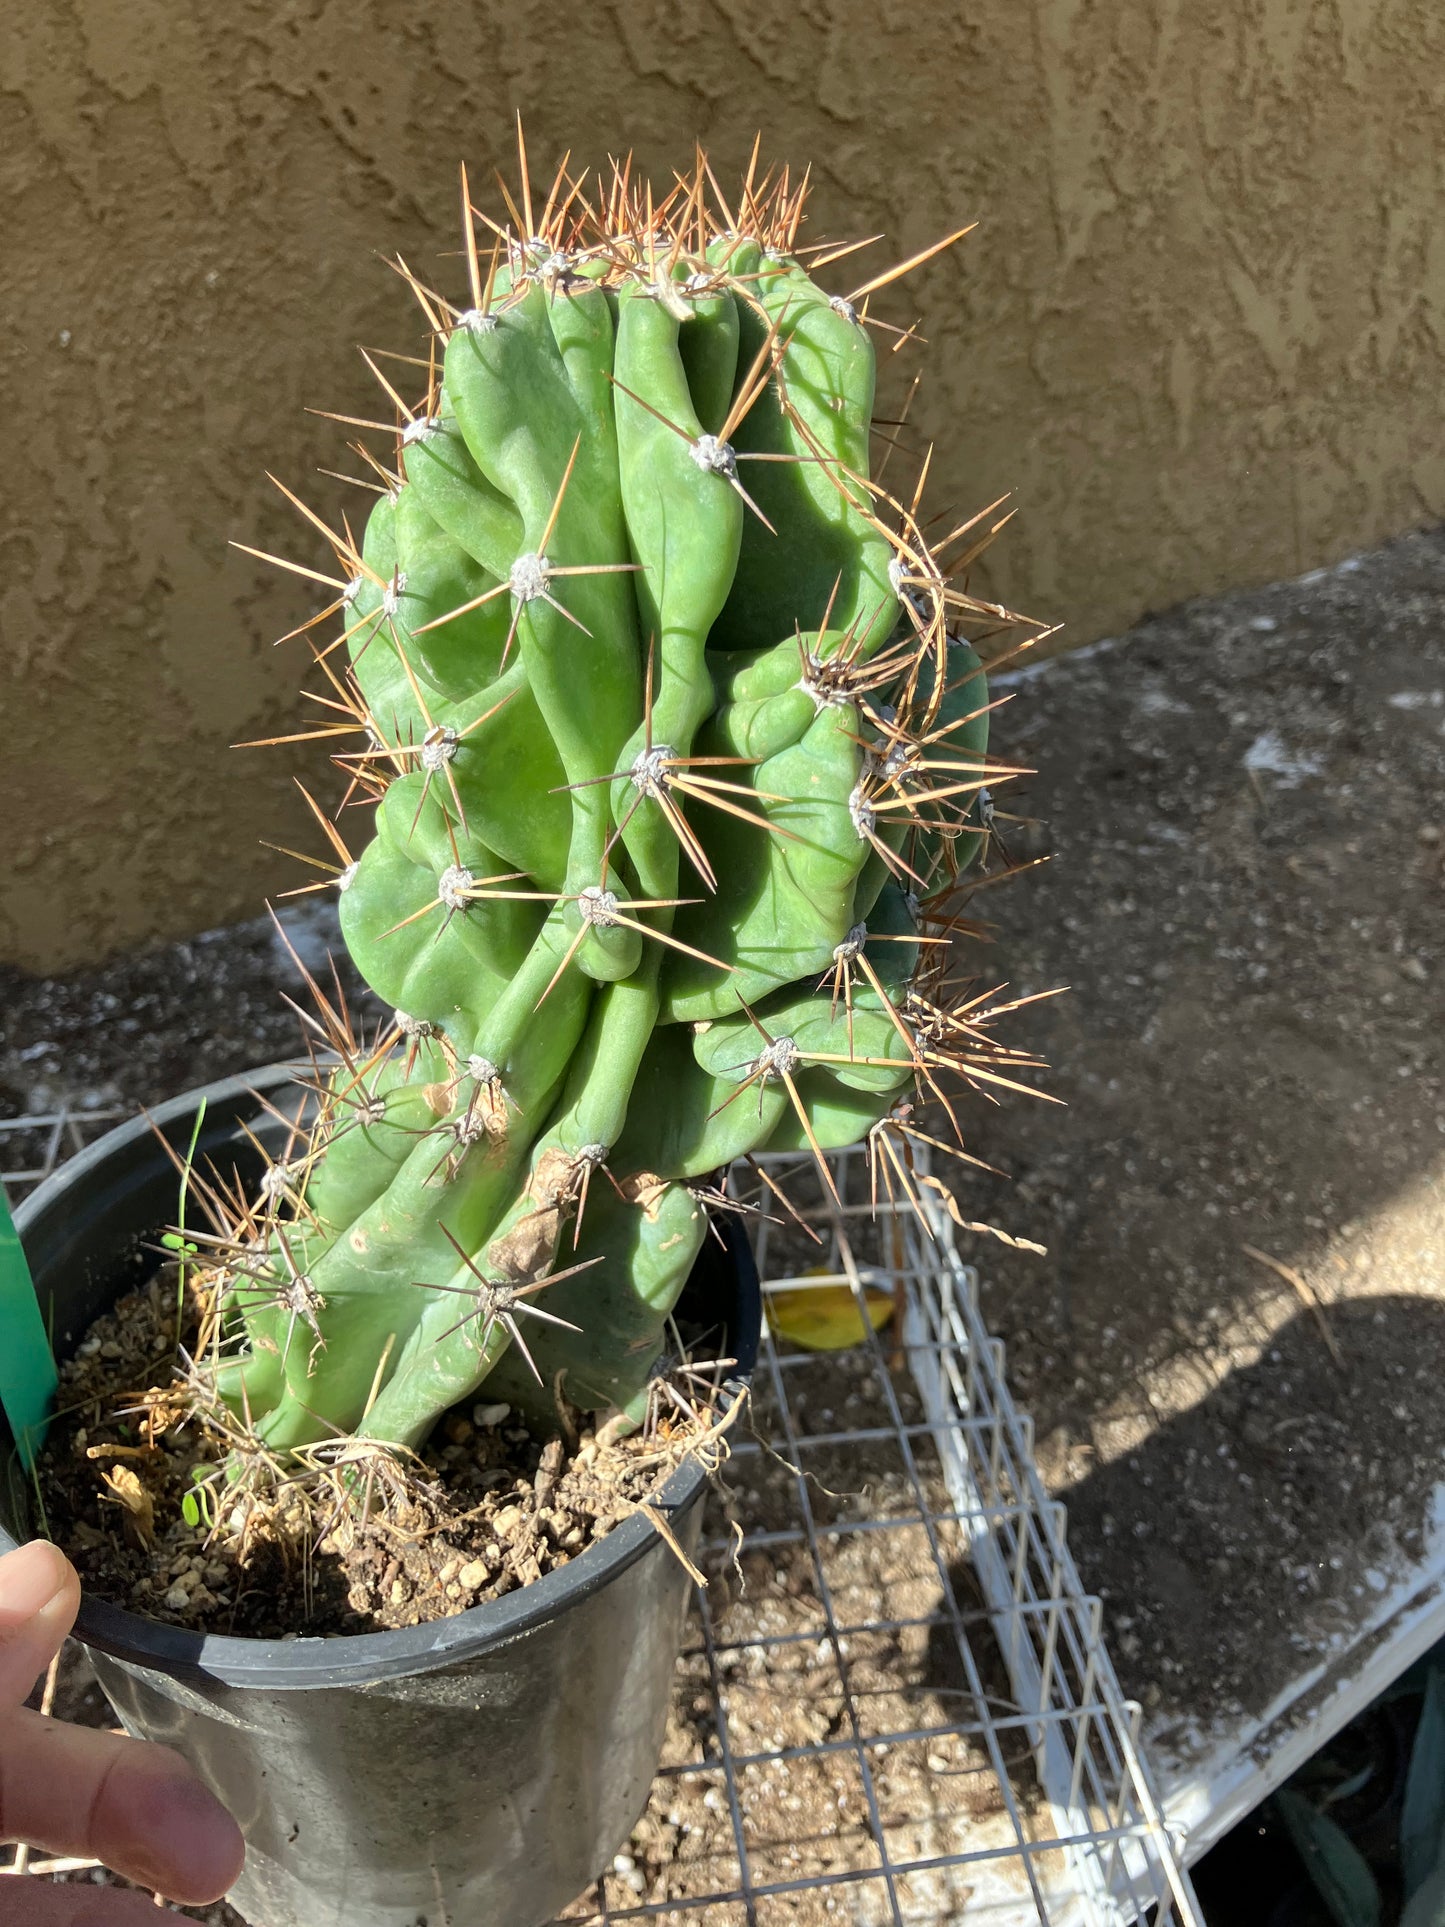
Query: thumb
[{"x": 39, "y": 1598}]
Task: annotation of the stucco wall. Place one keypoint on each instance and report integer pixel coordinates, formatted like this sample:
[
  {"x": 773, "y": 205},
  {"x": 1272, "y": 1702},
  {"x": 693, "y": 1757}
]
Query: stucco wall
[{"x": 1199, "y": 331}]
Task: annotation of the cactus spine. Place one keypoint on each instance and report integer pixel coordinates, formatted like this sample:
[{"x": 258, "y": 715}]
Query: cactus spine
[{"x": 676, "y": 757}]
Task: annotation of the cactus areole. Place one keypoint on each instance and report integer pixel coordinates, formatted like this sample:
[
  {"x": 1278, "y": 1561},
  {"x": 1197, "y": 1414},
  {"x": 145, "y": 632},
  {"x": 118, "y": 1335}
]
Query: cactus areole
[{"x": 665, "y": 770}]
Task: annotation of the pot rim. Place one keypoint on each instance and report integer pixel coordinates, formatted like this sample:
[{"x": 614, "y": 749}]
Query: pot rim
[{"x": 346, "y": 1659}]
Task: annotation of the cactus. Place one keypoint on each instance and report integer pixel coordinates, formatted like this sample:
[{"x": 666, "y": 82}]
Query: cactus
[{"x": 677, "y": 758}]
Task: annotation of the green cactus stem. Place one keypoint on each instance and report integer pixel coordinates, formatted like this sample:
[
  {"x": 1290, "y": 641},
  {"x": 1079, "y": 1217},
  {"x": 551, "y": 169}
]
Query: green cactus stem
[{"x": 673, "y": 751}]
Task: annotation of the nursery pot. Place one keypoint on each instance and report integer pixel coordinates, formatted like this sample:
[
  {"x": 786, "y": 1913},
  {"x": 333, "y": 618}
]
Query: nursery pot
[{"x": 479, "y": 1771}]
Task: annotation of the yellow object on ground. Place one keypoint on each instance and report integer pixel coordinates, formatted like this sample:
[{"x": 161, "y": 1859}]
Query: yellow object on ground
[{"x": 826, "y": 1318}]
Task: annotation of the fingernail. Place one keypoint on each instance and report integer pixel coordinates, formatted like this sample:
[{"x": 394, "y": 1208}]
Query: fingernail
[{"x": 31, "y": 1578}]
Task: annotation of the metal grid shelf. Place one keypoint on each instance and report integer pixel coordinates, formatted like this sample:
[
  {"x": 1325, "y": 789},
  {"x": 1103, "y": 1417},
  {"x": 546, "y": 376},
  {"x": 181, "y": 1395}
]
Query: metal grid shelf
[
  {"x": 895, "y": 1708},
  {"x": 1068, "y": 1830},
  {"x": 32, "y": 1147}
]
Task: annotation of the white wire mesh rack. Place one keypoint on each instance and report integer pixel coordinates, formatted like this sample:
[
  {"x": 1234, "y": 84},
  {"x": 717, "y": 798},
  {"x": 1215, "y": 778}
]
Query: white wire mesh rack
[
  {"x": 32, "y": 1147},
  {"x": 987, "y": 1763},
  {"x": 895, "y": 1707}
]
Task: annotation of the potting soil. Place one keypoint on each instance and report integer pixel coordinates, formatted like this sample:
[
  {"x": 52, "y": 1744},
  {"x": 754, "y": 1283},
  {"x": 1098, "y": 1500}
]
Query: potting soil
[{"x": 485, "y": 1509}]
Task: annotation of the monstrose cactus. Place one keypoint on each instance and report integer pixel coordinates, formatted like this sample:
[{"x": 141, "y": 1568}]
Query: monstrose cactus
[{"x": 676, "y": 756}]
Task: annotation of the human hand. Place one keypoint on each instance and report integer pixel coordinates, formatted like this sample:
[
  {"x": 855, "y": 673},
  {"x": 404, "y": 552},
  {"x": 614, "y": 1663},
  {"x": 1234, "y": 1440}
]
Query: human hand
[{"x": 73, "y": 1791}]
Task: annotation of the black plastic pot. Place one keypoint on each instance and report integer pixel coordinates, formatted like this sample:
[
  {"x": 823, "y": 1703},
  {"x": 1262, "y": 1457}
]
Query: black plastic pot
[{"x": 479, "y": 1771}]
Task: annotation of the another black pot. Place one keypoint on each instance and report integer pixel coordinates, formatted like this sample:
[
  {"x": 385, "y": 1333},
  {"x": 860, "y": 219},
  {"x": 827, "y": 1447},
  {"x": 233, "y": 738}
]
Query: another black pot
[{"x": 479, "y": 1771}]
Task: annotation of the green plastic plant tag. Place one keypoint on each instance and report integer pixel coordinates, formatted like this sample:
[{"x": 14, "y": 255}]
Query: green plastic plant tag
[{"x": 27, "y": 1365}]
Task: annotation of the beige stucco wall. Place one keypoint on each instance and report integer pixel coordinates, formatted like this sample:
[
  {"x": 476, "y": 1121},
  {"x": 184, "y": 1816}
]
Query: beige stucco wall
[{"x": 1199, "y": 330}]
